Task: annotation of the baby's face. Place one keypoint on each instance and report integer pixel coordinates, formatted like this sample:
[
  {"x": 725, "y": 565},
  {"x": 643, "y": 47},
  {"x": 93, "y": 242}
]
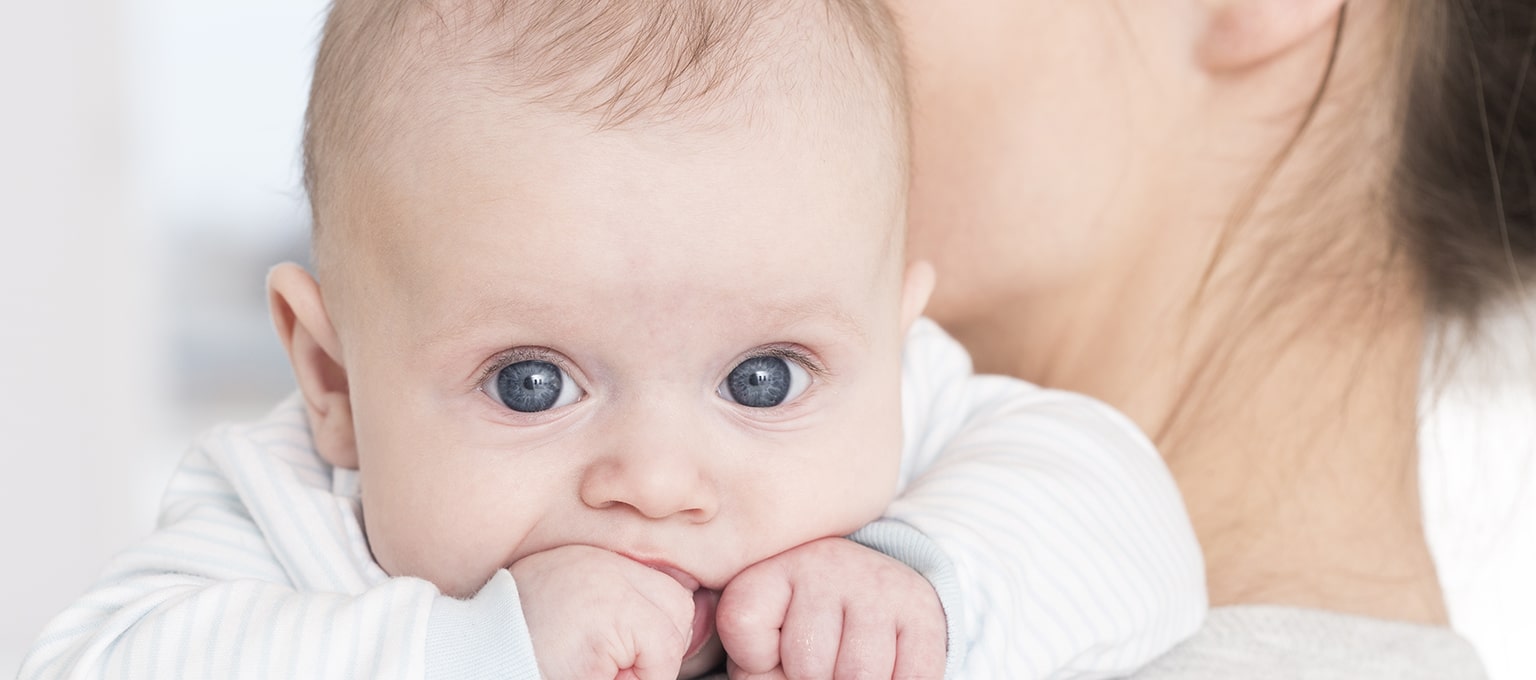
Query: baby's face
[{"x": 682, "y": 350}]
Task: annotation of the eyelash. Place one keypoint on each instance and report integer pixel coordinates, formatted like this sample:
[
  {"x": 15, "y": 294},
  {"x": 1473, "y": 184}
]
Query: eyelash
[
  {"x": 516, "y": 354},
  {"x": 805, "y": 360}
]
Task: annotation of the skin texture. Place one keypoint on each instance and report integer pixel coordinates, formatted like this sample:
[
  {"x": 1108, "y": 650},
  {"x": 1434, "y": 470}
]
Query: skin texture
[
  {"x": 1086, "y": 195},
  {"x": 646, "y": 265}
]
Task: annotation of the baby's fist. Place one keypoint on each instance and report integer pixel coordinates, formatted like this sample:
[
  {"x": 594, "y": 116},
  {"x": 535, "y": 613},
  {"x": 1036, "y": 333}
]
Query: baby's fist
[
  {"x": 831, "y": 609},
  {"x": 598, "y": 615}
]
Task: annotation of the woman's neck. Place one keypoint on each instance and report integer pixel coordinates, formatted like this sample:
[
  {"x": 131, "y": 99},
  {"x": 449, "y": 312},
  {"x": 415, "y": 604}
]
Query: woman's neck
[
  {"x": 1271, "y": 350},
  {"x": 1281, "y": 387},
  {"x": 1295, "y": 440},
  {"x": 1289, "y": 422},
  {"x": 1280, "y": 382}
]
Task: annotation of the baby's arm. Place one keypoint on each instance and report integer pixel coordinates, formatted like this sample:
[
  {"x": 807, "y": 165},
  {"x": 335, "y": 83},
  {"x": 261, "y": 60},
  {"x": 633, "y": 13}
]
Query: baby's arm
[
  {"x": 209, "y": 594},
  {"x": 1046, "y": 521},
  {"x": 184, "y": 626}
]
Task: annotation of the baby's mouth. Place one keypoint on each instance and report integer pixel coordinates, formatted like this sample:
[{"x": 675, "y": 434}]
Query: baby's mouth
[
  {"x": 705, "y": 655},
  {"x": 704, "y": 601}
]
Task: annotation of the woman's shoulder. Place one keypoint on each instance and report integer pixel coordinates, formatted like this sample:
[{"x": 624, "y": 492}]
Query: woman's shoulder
[{"x": 1264, "y": 642}]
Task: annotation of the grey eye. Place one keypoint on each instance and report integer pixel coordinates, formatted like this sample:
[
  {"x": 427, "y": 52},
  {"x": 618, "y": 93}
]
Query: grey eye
[
  {"x": 532, "y": 386},
  {"x": 764, "y": 382}
]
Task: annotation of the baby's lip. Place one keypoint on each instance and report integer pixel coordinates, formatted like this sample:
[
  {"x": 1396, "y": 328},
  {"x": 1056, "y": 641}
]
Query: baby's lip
[{"x": 683, "y": 578}]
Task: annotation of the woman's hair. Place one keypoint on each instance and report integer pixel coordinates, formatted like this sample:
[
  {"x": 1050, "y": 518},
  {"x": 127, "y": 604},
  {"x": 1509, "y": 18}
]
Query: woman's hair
[
  {"x": 1461, "y": 188},
  {"x": 1464, "y": 188}
]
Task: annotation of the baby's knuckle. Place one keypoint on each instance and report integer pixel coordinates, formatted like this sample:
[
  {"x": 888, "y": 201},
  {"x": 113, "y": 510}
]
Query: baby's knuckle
[{"x": 738, "y": 617}]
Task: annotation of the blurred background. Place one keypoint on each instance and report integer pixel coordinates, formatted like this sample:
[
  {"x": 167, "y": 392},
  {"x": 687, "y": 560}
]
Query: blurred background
[{"x": 149, "y": 176}]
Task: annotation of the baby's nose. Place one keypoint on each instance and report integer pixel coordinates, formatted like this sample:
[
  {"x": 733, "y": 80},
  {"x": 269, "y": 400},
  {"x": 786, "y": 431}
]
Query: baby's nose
[{"x": 658, "y": 471}]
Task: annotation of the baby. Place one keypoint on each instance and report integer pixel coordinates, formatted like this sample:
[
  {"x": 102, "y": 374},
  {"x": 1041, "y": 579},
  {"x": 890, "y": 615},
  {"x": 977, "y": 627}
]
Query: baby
[{"x": 612, "y": 341}]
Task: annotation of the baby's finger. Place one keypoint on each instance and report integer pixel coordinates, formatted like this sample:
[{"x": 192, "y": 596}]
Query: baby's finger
[
  {"x": 735, "y": 672},
  {"x": 661, "y": 640},
  {"x": 920, "y": 650},
  {"x": 659, "y": 622},
  {"x": 670, "y": 600},
  {"x": 813, "y": 631},
  {"x": 751, "y": 612},
  {"x": 868, "y": 649},
  {"x": 656, "y": 653}
]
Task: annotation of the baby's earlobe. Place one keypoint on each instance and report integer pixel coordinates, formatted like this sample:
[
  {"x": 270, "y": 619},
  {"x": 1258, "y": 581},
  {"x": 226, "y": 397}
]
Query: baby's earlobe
[
  {"x": 331, "y": 426},
  {"x": 304, "y": 327}
]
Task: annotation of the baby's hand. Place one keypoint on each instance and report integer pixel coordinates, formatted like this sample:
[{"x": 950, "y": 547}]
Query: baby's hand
[
  {"x": 831, "y": 609},
  {"x": 597, "y": 615}
]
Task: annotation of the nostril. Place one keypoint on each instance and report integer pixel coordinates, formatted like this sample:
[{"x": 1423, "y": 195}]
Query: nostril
[
  {"x": 669, "y": 484},
  {"x": 694, "y": 504}
]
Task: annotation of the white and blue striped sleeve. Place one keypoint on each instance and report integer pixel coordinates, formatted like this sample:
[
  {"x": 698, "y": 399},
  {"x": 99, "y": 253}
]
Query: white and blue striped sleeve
[
  {"x": 176, "y": 625},
  {"x": 1047, "y": 523},
  {"x": 257, "y": 570}
]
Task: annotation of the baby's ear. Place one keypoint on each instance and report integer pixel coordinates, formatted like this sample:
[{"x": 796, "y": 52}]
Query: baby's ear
[
  {"x": 298, "y": 313},
  {"x": 916, "y": 286}
]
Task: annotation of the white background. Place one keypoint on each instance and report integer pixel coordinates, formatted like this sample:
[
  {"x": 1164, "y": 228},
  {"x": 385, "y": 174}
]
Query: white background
[{"x": 149, "y": 176}]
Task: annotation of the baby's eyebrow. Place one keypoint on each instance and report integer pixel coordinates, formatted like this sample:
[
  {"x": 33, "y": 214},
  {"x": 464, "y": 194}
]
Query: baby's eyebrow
[
  {"x": 785, "y": 311},
  {"x": 466, "y": 319}
]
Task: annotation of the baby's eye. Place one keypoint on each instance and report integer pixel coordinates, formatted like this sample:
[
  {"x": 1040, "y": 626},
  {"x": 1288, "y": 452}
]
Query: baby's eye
[
  {"x": 764, "y": 382},
  {"x": 532, "y": 386}
]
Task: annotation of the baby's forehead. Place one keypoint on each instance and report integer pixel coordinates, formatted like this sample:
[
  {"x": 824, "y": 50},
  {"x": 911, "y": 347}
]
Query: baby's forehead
[
  {"x": 772, "y": 180},
  {"x": 551, "y": 212},
  {"x": 783, "y": 190}
]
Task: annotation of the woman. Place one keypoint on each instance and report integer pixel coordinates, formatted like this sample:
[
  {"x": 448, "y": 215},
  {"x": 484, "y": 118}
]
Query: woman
[{"x": 1233, "y": 221}]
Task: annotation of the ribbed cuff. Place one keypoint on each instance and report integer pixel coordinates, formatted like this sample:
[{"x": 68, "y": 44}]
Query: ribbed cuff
[
  {"x": 482, "y": 637},
  {"x": 911, "y": 547}
]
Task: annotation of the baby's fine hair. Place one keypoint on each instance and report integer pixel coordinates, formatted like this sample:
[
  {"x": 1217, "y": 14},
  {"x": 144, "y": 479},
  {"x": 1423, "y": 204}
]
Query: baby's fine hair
[{"x": 618, "y": 63}]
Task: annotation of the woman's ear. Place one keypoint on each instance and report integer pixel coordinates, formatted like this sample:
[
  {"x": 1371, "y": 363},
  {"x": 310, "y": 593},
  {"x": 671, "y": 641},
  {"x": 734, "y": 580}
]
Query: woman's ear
[
  {"x": 916, "y": 286},
  {"x": 298, "y": 313},
  {"x": 1243, "y": 33}
]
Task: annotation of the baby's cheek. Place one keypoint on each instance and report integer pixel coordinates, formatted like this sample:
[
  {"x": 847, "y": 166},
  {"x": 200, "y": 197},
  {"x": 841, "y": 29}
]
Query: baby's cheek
[
  {"x": 450, "y": 554},
  {"x": 880, "y": 464},
  {"x": 861, "y": 491}
]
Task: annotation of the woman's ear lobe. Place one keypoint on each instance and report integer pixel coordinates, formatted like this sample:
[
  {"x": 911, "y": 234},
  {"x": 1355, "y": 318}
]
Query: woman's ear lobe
[
  {"x": 916, "y": 286},
  {"x": 1243, "y": 33},
  {"x": 305, "y": 329}
]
